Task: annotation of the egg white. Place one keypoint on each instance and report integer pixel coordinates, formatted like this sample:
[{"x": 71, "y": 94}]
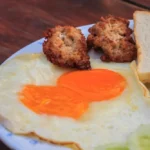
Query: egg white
[{"x": 104, "y": 122}]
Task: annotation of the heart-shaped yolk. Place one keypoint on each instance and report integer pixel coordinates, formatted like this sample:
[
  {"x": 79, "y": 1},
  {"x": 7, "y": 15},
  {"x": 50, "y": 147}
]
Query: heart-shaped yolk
[{"x": 73, "y": 93}]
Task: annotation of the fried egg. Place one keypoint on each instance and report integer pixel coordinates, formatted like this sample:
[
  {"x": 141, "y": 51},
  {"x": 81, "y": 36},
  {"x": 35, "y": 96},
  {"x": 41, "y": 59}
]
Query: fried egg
[{"x": 104, "y": 122}]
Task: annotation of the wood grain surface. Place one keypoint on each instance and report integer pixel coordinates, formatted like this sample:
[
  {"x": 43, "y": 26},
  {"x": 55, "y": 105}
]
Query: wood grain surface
[
  {"x": 141, "y": 3},
  {"x": 23, "y": 21}
]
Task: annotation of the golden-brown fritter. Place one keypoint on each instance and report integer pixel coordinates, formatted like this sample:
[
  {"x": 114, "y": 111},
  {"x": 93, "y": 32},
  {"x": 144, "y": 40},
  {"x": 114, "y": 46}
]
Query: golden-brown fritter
[
  {"x": 66, "y": 46},
  {"x": 112, "y": 35}
]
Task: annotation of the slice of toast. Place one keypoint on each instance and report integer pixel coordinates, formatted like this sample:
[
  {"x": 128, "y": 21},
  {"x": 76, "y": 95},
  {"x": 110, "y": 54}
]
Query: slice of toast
[{"x": 142, "y": 38}]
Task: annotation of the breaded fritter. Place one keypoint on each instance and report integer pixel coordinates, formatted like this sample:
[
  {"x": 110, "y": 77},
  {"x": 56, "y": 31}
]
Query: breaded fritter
[
  {"x": 66, "y": 46},
  {"x": 113, "y": 36}
]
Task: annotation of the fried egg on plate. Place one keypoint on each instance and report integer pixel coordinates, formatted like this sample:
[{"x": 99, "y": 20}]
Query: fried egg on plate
[{"x": 104, "y": 122}]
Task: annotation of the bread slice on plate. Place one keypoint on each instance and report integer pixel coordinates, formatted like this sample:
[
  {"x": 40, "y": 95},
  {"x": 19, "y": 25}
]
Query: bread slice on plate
[{"x": 142, "y": 38}]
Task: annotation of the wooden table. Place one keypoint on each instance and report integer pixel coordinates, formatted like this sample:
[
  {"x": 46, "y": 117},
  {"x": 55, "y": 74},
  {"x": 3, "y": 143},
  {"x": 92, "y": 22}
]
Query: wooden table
[{"x": 23, "y": 21}]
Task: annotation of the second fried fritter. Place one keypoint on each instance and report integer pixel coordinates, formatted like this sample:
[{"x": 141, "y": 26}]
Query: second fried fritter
[
  {"x": 112, "y": 35},
  {"x": 66, "y": 46}
]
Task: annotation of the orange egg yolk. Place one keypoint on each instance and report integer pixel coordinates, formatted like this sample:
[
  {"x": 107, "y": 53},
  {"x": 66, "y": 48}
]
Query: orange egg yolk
[
  {"x": 51, "y": 100},
  {"x": 73, "y": 92},
  {"x": 96, "y": 85}
]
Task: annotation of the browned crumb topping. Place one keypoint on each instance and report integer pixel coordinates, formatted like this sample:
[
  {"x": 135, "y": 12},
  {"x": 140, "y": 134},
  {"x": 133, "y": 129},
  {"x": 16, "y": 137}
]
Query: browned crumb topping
[
  {"x": 66, "y": 46},
  {"x": 112, "y": 35}
]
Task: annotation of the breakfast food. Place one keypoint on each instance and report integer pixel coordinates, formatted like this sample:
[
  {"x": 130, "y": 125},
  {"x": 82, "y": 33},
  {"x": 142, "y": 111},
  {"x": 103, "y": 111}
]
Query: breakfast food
[
  {"x": 113, "y": 36},
  {"x": 96, "y": 89},
  {"x": 51, "y": 100},
  {"x": 103, "y": 108},
  {"x": 66, "y": 46},
  {"x": 73, "y": 92},
  {"x": 101, "y": 121},
  {"x": 142, "y": 36}
]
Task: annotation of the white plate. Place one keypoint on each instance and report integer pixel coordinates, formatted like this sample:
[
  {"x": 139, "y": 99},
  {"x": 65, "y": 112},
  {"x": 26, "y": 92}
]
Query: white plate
[{"x": 24, "y": 143}]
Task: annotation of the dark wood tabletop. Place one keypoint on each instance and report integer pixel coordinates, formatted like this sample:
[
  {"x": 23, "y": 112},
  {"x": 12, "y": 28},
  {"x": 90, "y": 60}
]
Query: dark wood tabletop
[{"x": 23, "y": 21}]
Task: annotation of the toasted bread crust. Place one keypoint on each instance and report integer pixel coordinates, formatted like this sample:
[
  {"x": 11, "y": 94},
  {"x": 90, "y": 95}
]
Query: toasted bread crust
[
  {"x": 66, "y": 46},
  {"x": 112, "y": 35}
]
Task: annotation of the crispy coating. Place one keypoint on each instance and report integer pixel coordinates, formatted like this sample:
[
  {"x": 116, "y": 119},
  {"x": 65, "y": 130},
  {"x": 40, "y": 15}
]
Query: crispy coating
[
  {"x": 112, "y": 35},
  {"x": 66, "y": 46}
]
